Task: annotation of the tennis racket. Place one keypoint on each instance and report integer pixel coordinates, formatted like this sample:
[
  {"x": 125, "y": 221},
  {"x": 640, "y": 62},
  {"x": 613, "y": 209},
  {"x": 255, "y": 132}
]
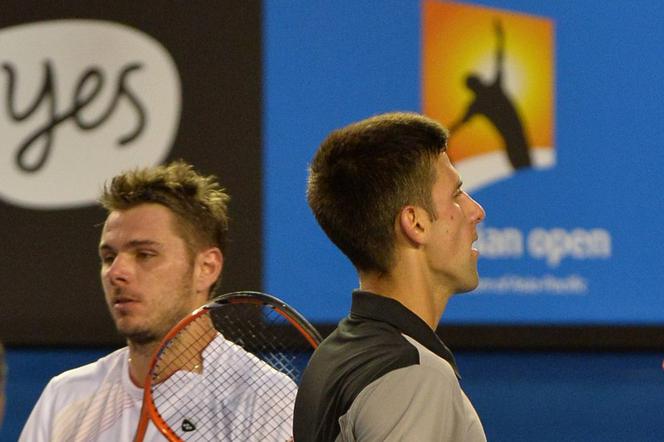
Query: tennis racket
[{"x": 229, "y": 371}]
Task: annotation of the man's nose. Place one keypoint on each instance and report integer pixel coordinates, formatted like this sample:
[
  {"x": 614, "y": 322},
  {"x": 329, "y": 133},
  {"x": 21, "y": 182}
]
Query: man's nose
[
  {"x": 478, "y": 214},
  {"x": 119, "y": 271}
]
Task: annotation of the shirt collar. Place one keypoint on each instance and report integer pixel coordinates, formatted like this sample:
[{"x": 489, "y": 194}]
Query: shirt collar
[{"x": 381, "y": 308}]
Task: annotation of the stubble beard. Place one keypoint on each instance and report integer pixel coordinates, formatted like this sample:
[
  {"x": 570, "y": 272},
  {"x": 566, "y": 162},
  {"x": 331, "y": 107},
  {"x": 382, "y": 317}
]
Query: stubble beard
[
  {"x": 153, "y": 330},
  {"x": 140, "y": 337}
]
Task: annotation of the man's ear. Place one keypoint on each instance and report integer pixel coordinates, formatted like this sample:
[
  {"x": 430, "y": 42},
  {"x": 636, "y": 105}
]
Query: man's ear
[
  {"x": 413, "y": 222},
  {"x": 209, "y": 263}
]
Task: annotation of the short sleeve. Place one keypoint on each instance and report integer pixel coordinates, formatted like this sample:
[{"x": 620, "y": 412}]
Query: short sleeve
[{"x": 412, "y": 403}]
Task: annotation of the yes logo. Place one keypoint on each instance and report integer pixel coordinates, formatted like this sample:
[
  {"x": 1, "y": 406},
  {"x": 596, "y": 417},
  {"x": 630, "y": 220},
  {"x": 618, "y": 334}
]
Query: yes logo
[
  {"x": 81, "y": 101},
  {"x": 488, "y": 76}
]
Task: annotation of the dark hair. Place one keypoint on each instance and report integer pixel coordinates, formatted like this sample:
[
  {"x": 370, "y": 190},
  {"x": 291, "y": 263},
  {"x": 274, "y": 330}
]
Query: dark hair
[
  {"x": 198, "y": 202},
  {"x": 363, "y": 174}
]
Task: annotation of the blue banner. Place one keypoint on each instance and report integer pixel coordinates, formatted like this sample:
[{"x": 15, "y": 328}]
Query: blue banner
[{"x": 571, "y": 233}]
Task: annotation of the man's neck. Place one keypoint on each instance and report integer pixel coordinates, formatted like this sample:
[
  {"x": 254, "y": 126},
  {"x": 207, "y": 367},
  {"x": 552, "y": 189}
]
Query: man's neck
[
  {"x": 140, "y": 356},
  {"x": 184, "y": 353},
  {"x": 411, "y": 289}
]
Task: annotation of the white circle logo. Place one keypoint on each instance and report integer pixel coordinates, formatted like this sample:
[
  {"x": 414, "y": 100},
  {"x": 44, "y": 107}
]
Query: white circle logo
[{"x": 80, "y": 101}]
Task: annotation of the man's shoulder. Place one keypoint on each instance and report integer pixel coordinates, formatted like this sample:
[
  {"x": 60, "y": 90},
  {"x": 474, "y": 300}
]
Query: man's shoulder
[
  {"x": 370, "y": 339},
  {"x": 430, "y": 360},
  {"x": 242, "y": 368},
  {"x": 78, "y": 394},
  {"x": 356, "y": 354},
  {"x": 90, "y": 375}
]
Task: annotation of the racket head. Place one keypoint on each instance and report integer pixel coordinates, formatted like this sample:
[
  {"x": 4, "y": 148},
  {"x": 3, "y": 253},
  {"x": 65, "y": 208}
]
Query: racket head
[
  {"x": 241, "y": 343},
  {"x": 283, "y": 311}
]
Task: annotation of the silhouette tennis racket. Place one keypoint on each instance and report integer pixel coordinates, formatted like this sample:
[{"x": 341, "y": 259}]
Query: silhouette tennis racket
[{"x": 229, "y": 371}]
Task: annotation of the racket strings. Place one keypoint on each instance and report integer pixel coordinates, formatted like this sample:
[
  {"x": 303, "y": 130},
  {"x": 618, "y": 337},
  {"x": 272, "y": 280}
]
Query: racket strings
[
  {"x": 235, "y": 384},
  {"x": 268, "y": 339}
]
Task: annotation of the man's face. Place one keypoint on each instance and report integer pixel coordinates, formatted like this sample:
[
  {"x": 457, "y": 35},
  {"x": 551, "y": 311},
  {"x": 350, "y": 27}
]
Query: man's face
[
  {"x": 146, "y": 272},
  {"x": 451, "y": 255}
]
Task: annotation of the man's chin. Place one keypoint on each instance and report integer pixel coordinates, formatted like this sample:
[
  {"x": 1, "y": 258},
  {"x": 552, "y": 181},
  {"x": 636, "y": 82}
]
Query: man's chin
[
  {"x": 138, "y": 336},
  {"x": 469, "y": 286}
]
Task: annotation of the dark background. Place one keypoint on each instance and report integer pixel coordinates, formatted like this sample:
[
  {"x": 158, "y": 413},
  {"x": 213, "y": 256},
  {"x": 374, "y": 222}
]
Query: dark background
[{"x": 49, "y": 284}]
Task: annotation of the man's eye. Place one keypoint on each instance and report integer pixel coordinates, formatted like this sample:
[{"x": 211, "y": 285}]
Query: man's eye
[
  {"x": 107, "y": 259},
  {"x": 145, "y": 255}
]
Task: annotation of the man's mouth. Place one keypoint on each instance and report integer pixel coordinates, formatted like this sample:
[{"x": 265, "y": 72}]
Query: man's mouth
[{"x": 121, "y": 302}]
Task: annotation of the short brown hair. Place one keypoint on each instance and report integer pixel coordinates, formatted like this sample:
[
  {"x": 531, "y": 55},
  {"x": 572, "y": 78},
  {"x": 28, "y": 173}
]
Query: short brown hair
[
  {"x": 363, "y": 174},
  {"x": 198, "y": 202}
]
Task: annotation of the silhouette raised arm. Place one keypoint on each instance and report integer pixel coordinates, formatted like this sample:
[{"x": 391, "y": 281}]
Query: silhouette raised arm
[{"x": 500, "y": 50}]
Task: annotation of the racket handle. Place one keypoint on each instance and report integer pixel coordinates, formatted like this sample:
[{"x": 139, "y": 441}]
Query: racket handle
[{"x": 142, "y": 428}]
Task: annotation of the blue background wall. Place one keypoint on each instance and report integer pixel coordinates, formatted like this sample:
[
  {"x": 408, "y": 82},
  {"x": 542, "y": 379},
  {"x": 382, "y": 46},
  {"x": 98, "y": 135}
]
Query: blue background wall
[{"x": 330, "y": 63}]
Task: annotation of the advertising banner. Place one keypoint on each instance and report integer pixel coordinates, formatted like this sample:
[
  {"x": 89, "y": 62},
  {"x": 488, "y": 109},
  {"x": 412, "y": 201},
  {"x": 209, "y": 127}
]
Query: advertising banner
[
  {"x": 88, "y": 89},
  {"x": 555, "y": 124}
]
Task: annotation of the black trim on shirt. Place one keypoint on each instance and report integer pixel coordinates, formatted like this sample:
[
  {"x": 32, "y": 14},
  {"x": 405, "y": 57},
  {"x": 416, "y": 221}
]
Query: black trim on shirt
[
  {"x": 380, "y": 308},
  {"x": 366, "y": 345}
]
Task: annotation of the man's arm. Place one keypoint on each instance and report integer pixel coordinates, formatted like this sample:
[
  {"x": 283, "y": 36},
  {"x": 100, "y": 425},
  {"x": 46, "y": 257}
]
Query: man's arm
[
  {"x": 500, "y": 50},
  {"x": 412, "y": 403},
  {"x": 470, "y": 112}
]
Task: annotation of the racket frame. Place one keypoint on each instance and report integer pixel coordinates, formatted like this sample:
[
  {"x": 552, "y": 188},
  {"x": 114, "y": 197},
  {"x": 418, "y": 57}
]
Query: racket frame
[{"x": 150, "y": 413}]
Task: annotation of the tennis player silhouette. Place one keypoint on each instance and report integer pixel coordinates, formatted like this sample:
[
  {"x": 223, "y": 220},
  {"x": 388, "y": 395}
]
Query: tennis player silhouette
[{"x": 492, "y": 101}]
